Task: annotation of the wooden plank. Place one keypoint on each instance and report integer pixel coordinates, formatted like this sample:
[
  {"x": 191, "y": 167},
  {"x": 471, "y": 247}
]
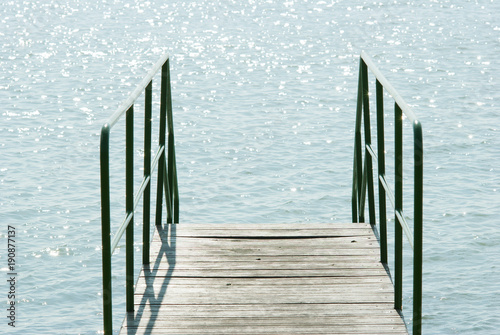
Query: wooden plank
[
  {"x": 264, "y": 279},
  {"x": 228, "y": 227},
  {"x": 282, "y": 310},
  {"x": 282, "y": 282},
  {"x": 186, "y": 258},
  {"x": 252, "y": 262},
  {"x": 168, "y": 328},
  {"x": 177, "y": 255},
  {"x": 368, "y": 330},
  {"x": 298, "y": 321},
  {"x": 268, "y": 273},
  {"x": 152, "y": 288},
  {"x": 270, "y": 299},
  {"x": 280, "y": 321},
  {"x": 257, "y": 264},
  {"x": 331, "y": 293},
  {"x": 164, "y": 251},
  {"x": 270, "y": 233},
  {"x": 207, "y": 297},
  {"x": 191, "y": 241}
]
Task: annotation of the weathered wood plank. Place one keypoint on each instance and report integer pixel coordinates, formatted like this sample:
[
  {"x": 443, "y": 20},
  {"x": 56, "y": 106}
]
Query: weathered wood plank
[
  {"x": 206, "y": 242},
  {"x": 264, "y": 279},
  {"x": 268, "y": 273},
  {"x": 222, "y": 286},
  {"x": 268, "y": 251},
  {"x": 230, "y": 260},
  {"x": 230, "y": 227},
  {"x": 168, "y": 328},
  {"x": 282, "y": 310},
  {"x": 257, "y": 264},
  {"x": 299, "y": 321},
  {"x": 285, "y": 282},
  {"x": 226, "y": 299},
  {"x": 240, "y": 251},
  {"x": 271, "y": 233}
]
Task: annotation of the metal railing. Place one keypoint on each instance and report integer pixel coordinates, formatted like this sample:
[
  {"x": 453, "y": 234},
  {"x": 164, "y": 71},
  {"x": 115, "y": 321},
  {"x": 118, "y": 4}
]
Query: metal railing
[
  {"x": 363, "y": 179},
  {"x": 166, "y": 180}
]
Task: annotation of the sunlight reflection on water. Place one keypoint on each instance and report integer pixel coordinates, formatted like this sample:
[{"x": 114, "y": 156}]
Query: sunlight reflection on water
[{"x": 264, "y": 96}]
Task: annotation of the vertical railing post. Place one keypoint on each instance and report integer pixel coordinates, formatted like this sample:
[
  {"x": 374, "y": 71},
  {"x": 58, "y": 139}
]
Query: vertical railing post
[
  {"x": 357, "y": 210},
  {"x": 418, "y": 228},
  {"x": 357, "y": 151},
  {"x": 368, "y": 175},
  {"x": 106, "y": 232},
  {"x": 147, "y": 173},
  {"x": 381, "y": 172},
  {"x": 161, "y": 140},
  {"x": 398, "y": 230},
  {"x": 172, "y": 173},
  {"x": 129, "y": 203},
  {"x": 168, "y": 197}
]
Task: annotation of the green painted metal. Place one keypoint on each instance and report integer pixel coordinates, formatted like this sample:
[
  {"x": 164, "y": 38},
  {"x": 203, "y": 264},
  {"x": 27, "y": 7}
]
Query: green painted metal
[
  {"x": 106, "y": 231},
  {"x": 398, "y": 230},
  {"x": 148, "y": 102},
  {"x": 166, "y": 180},
  {"x": 381, "y": 171},
  {"x": 172, "y": 170},
  {"x": 363, "y": 181},
  {"x": 129, "y": 204}
]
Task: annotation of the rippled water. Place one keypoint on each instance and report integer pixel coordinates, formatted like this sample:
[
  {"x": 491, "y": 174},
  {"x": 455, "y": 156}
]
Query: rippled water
[{"x": 264, "y": 98}]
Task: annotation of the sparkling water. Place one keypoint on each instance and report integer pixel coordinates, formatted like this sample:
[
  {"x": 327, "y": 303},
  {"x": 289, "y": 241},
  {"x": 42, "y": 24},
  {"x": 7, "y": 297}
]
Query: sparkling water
[{"x": 264, "y": 96}]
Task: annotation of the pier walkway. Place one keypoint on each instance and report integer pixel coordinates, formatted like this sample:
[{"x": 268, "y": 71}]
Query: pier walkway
[{"x": 264, "y": 279}]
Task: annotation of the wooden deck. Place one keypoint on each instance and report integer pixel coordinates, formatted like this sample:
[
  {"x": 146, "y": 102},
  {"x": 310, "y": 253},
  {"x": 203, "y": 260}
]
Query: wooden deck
[{"x": 264, "y": 279}]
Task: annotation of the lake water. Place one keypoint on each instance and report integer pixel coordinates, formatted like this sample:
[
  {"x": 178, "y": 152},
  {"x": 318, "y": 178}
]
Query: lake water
[{"x": 264, "y": 98}]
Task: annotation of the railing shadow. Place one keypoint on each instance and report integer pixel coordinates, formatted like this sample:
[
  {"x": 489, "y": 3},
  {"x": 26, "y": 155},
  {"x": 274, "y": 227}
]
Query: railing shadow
[{"x": 151, "y": 298}]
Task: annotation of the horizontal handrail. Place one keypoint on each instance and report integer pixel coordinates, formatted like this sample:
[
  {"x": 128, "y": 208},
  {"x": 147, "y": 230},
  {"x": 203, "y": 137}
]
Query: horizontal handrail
[
  {"x": 388, "y": 190},
  {"x": 130, "y": 100},
  {"x": 406, "y": 228},
  {"x": 372, "y": 152},
  {"x": 167, "y": 180},
  {"x": 388, "y": 87},
  {"x": 363, "y": 180},
  {"x": 137, "y": 199},
  {"x": 121, "y": 230}
]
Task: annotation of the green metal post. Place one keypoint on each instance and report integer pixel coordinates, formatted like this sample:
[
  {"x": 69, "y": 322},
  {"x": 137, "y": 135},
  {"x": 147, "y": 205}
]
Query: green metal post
[
  {"x": 105, "y": 233},
  {"x": 129, "y": 203},
  {"x": 398, "y": 230},
  {"x": 169, "y": 174},
  {"x": 172, "y": 171},
  {"x": 357, "y": 212},
  {"x": 168, "y": 193},
  {"x": 381, "y": 172},
  {"x": 368, "y": 175},
  {"x": 418, "y": 228},
  {"x": 161, "y": 140},
  {"x": 147, "y": 173},
  {"x": 357, "y": 151}
]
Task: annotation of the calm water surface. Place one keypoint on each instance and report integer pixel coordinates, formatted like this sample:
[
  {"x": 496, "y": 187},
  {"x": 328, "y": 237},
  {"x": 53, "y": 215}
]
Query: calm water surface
[{"x": 264, "y": 97}]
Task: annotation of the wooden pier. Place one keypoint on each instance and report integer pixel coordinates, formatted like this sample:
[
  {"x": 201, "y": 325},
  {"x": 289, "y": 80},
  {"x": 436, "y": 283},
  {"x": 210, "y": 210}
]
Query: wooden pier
[{"x": 264, "y": 279}]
